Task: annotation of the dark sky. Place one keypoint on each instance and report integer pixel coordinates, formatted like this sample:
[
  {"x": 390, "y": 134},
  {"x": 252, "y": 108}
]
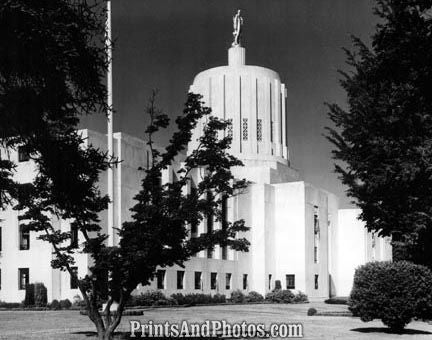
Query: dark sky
[{"x": 163, "y": 44}]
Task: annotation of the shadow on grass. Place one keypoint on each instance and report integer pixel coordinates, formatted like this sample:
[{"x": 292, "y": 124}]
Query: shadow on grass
[
  {"x": 126, "y": 336},
  {"x": 387, "y": 330}
]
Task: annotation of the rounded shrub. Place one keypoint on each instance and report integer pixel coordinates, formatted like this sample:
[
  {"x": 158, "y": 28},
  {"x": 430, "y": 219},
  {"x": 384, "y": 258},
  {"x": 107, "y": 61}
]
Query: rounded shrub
[
  {"x": 29, "y": 299},
  {"x": 311, "y": 311},
  {"x": 254, "y": 297},
  {"x": 280, "y": 296},
  {"x": 237, "y": 296},
  {"x": 55, "y": 304},
  {"x": 40, "y": 294},
  {"x": 300, "y": 297},
  {"x": 65, "y": 304},
  {"x": 395, "y": 292}
]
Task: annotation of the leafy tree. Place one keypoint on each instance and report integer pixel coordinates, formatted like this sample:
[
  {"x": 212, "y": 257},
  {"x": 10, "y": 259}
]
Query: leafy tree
[{"x": 383, "y": 137}]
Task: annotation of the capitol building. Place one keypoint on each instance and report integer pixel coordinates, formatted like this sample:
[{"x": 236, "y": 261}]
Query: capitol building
[{"x": 298, "y": 234}]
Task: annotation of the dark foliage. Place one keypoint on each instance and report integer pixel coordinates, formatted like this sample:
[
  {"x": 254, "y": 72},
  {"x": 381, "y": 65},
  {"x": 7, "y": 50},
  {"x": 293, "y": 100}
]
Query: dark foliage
[
  {"x": 237, "y": 296},
  {"x": 254, "y": 297},
  {"x": 383, "y": 137},
  {"x": 395, "y": 292},
  {"x": 40, "y": 294},
  {"x": 337, "y": 300},
  {"x": 280, "y": 296},
  {"x": 55, "y": 305},
  {"x": 65, "y": 304},
  {"x": 300, "y": 297},
  {"x": 29, "y": 299},
  {"x": 311, "y": 311}
]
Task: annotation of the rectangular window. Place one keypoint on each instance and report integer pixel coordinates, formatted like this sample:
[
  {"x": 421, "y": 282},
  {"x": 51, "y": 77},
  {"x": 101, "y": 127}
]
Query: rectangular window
[
  {"x": 269, "y": 281},
  {"x": 259, "y": 130},
  {"x": 23, "y": 278},
  {"x": 74, "y": 236},
  {"x": 0, "y": 278},
  {"x": 229, "y": 128},
  {"x": 245, "y": 129},
  {"x": 228, "y": 281},
  {"x": 316, "y": 281},
  {"x": 23, "y": 155},
  {"x": 1, "y": 239},
  {"x": 271, "y": 132},
  {"x": 198, "y": 282},
  {"x": 316, "y": 227},
  {"x": 73, "y": 278},
  {"x": 180, "y": 279},
  {"x": 290, "y": 281},
  {"x": 224, "y": 253},
  {"x": 213, "y": 281},
  {"x": 160, "y": 275},
  {"x": 209, "y": 253},
  {"x": 194, "y": 225},
  {"x": 245, "y": 281},
  {"x": 24, "y": 238}
]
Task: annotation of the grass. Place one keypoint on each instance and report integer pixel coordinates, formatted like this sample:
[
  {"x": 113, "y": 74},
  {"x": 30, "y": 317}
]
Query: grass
[{"x": 70, "y": 325}]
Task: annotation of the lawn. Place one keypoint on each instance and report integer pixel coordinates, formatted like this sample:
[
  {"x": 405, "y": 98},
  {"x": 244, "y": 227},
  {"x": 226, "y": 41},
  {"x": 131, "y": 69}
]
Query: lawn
[{"x": 70, "y": 325}]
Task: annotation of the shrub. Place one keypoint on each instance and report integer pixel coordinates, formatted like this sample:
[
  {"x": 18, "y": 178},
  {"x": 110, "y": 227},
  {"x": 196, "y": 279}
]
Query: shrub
[
  {"x": 40, "y": 294},
  {"x": 395, "y": 292},
  {"x": 55, "y": 305},
  {"x": 337, "y": 300},
  {"x": 218, "y": 298},
  {"x": 280, "y": 296},
  {"x": 65, "y": 304},
  {"x": 78, "y": 301},
  {"x": 254, "y": 297},
  {"x": 278, "y": 285},
  {"x": 10, "y": 304},
  {"x": 237, "y": 296},
  {"x": 311, "y": 311},
  {"x": 300, "y": 297},
  {"x": 149, "y": 298},
  {"x": 29, "y": 299}
]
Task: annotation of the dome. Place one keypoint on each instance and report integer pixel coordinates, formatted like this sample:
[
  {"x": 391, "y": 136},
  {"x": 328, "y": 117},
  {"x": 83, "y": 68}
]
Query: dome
[{"x": 253, "y": 99}]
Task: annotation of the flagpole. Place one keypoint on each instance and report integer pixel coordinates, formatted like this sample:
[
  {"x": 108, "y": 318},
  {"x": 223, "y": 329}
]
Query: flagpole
[{"x": 110, "y": 129}]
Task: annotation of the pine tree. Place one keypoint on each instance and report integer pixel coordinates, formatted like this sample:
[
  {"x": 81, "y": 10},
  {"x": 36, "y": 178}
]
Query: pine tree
[{"x": 383, "y": 138}]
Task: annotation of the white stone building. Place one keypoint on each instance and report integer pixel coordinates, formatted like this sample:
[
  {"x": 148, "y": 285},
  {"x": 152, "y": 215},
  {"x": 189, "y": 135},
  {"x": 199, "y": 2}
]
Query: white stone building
[{"x": 298, "y": 234}]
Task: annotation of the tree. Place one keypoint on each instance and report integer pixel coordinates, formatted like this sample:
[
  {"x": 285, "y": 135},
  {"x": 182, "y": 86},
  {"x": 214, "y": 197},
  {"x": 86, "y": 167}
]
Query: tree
[{"x": 384, "y": 136}]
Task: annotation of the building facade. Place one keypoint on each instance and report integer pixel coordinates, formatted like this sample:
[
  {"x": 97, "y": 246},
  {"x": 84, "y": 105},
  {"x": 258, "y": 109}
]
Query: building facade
[{"x": 298, "y": 234}]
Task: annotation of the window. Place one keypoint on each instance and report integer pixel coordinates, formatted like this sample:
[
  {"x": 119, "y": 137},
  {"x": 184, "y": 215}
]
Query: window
[
  {"x": 0, "y": 238},
  {"x": 73, "y": 278},
  {"x": 23, "y": 278},
  {"x": 24, "y": 238},
  {"x": 259, "y": 130},
  {"x": 224, "y": 253},
  {"x": 245, "y": 129},
  {"x": 245, "y": 281},
  {"x": 228, "y": 281},
  {"x": 160, "y": 275},
  {"x": 198, "y": 282},
  {"x": 23, "y": 155},
  {"x": 0, "y": 278},
  {"x": 74, "y": 236},
  {"x": 210, "y": 224},
  {"x": 224, "y": 218},
  {"x": 316, "y": 281},
  {"x": 271, "y": 132},
  {"x": 316, "y": 234},
  {"x": 269, "y": 281},
  {"x": 209, "y": 253},
  {"x": 213, "y": 281},
  {"x": 194, "y": 225},
  {"x": 229, "y": 128},
  {"x": 180, "y": 279},
  {"x": 290, "y": 281}
]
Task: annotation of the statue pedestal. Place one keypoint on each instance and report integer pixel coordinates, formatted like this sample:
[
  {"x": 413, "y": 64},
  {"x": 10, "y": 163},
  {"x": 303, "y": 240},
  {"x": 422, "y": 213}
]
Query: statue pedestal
[{"x": 236, "y": 56}]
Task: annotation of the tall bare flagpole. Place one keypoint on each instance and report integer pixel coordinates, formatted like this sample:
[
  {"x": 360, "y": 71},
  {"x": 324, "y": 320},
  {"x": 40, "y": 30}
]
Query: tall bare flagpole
[{"x": 110, "y": 129}]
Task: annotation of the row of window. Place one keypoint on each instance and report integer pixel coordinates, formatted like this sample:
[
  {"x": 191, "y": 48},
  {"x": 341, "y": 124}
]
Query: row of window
[
  {"x": 198, "y": 280},
  {"x": 24, "y": 278},
  {"x": 214, "y": 280},
  {"x": 245, "y": 129}
]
